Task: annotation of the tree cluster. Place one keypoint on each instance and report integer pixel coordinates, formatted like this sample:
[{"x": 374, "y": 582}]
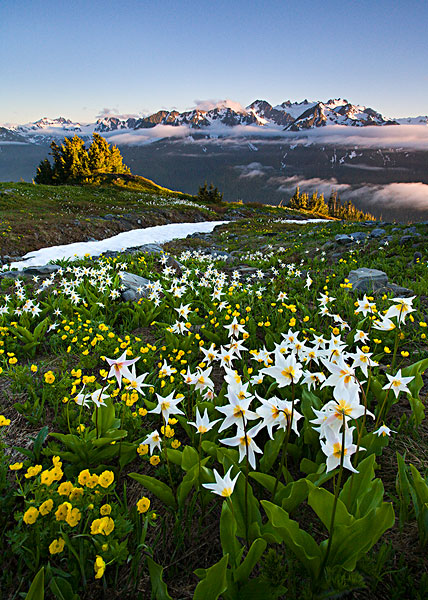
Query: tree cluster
[
  {"x": 332, "y": 208},
  {"x": 74, "y": 164},
  {"x": 209, "y": 194}
]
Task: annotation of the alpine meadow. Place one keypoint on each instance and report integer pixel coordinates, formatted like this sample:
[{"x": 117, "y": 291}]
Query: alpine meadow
[{"x": 213, "y": 312}]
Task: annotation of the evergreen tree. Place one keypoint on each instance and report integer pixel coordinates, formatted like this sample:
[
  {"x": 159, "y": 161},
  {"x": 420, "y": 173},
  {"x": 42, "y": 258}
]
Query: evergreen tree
[
  {"x": 209, "y": 194},
  {"x": 73, "y": 164},
  {"x": 44, "y": 172}
]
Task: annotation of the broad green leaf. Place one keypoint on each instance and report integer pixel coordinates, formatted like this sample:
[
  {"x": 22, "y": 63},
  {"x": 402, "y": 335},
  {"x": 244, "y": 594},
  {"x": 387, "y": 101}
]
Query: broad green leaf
[
  {"x": 402, "y": 485},
  {"x": 160, "y": 489},
  {"x": 215, "y": 582},
  {"x": 229, "y": 543},
  {"x": 351, "y": 542},
  {"x": 62, "y": 589},
  {"x": 37, "y": 588},
  {"x": 243, "y": 572},
  {"x": 322, "y": 502},
  {"x": 190, "y": 458},
  {"x": 271, "y": 450},
  {"x": 159, "y": 589},
  {"x": 303, "y": 545}
]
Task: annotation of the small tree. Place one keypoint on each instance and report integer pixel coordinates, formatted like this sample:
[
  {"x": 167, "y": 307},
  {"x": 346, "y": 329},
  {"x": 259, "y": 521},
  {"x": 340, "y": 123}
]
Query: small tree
[
  {"x": 72, "y": 163},
  {"x": 210, "y": 194}
]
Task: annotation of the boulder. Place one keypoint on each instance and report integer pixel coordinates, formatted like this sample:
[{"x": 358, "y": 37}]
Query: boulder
[
  {"x": 375, "y": 281},
  {"x": 343, "y": 239},
  {"x": 135, "y": 287},
  {"x": 360, "y": 236},
  {"x": 377, "y": 233},
  {"x": 366, "y": 280}
]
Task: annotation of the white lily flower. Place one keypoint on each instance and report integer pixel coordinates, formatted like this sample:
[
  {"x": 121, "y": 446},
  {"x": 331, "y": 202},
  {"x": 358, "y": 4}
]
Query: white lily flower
[{"x": 223, "y": 486}]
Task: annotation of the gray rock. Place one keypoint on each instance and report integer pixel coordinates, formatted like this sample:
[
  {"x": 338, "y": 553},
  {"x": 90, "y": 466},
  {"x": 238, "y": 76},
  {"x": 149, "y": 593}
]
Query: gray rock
[
  {"x": 42, "y": 270},
  {"x": 406, "y": 239},
  {"x": 150, "y": 248},
  {"x": 366, "y": 280},
  {"x": 377, "y": 233},
  {"x": 397, "y": 290},
  {"x": 174, "y": 264},
  {"x": 343, "y": 239},
  {"x": 10, "y": 274},
  {"x": 410, "y": 230},
  {"x": 135, "y": 287},
  {"x": 329, "y": 244},
  {"x": 360, "y": 236}
]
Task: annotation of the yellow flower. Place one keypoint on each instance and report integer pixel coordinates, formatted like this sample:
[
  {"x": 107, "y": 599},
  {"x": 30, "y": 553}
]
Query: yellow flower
[
  {"x": 34, "y": 368},
  {"x": 143, "y": 505},
  {"x": 76, "y": 494},
  {"x": 142, "y": 449},
  {"x": 99, "y": 567},
  {"x": 102, "y": 526},
  {"x": 46, "y": 477},
  {"x": 80, "y": 428},
  {"x": 73, "y": 517},
  {"x": 16, "y": 466},
  {"x": 105, "y": 509},
  {"x": 3, "y": 421},
  {"x": 49, "y": 377},
  {"x": 142, "y": 412},
  {"x": 13, "y": 360},
  {"x": 84, "y": 477},
  {"x": 106, "y": 478},
  {"x": 46, "y": 507},
  {"x": 62, "y": 511},
  {"x": 33, "y": 471},
  {"x": 56, "y": 546},
  {"x": 92, "y": 481},
  {"x": 154, "y": 460},
  {"x": 175, "y": 444},
  {"x": 30, "y": 515},
  {"x": 65, "y": 488}
]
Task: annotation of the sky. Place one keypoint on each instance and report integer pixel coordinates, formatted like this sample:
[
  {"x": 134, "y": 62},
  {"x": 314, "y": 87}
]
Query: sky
[{"x": 82, "y": 59}]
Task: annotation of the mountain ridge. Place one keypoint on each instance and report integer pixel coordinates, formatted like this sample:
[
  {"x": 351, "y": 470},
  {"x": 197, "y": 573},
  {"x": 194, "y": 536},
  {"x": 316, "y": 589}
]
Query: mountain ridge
[{"x": 287, "y": 116}]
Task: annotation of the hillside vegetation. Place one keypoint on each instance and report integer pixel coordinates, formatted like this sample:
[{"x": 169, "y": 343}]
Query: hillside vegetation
[{"x": 227, "y": 418}]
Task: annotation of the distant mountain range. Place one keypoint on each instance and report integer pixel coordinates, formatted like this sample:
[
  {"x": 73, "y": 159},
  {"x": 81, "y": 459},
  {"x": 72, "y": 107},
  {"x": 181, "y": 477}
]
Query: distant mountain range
[
  {"x": 288, "y": 116},
  {"x": 258, "y": 153}
]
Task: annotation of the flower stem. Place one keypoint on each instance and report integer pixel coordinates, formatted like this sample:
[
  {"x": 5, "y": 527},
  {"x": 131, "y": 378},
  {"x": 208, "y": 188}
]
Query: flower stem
[{"x": 336, "y": 494}]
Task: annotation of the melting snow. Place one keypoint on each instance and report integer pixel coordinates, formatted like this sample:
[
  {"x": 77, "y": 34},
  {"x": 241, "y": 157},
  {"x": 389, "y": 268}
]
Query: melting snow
[{"x": 122, "y": 241}]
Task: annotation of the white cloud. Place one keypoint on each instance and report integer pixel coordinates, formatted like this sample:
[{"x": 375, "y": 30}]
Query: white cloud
[
  {"x": 254, "y": 169},
  {"x": 413, "y": 196},
  {"x": 211, "y": 104}
]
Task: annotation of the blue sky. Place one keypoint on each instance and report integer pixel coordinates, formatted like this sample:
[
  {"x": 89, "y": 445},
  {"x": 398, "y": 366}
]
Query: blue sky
[{"x": 75, "y": 58}]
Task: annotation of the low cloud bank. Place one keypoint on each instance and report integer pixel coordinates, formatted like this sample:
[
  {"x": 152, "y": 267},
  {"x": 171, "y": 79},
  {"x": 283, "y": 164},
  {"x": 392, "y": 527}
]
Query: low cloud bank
[
  {"x": 405, "y": 137},
  {"x": 413, "y": 196}
]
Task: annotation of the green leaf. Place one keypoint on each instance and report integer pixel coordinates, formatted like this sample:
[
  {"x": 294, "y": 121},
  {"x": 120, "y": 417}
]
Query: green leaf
[
  {"x": 160, "y": 489},
  {"x": 271, "y": 451},
  {"x": 322, "y": 502},
  {"x": 37, "y": 588},
  {"x": 106, "y": 417},
  {"x": 190, "y": 458},
  {"x": 159, "y": 589},
  {"x": 243, "y": 572},
  {"x": 402, "y": 485},
  {"x": 352, "y": 542},
  {"x": 359, "y": 485},
  {"x": 228, "y": 527},
  {"x": 303, "y": 545},
  {"x": 62, "y": 589},
  {"x": 215, "y": 582}
]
